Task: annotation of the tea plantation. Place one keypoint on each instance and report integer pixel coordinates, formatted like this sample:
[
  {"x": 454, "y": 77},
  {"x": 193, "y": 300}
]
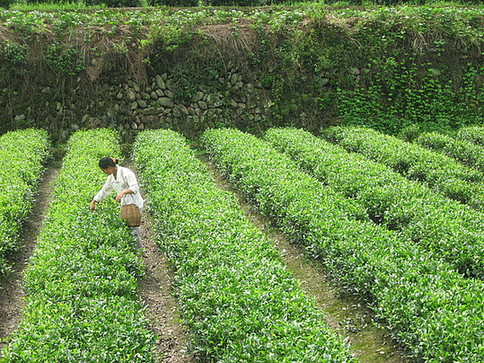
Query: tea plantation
[{"x": 397, "y": 224}]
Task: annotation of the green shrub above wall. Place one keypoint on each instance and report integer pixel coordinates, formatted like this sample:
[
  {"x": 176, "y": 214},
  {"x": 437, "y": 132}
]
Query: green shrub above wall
[
  {"x": 389, "y": 68},
  {"x": 253, "y": 68}
]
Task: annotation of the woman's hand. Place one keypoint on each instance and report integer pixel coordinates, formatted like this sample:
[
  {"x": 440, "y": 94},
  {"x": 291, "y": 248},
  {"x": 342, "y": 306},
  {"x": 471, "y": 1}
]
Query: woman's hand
[
  {"x": 122, "y": 193},
  {"x": 92, "y": 206},
  {"x": 119, "y": 196}
]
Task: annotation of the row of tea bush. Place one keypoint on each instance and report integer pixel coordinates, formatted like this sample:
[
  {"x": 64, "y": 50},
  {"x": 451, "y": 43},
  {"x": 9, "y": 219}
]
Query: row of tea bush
[
  {"x": 440, "y": 172},
  {"x": 236, "y": 296},
  {"x": 449, "y": 229},
  {"x": 22, "y": 155}
]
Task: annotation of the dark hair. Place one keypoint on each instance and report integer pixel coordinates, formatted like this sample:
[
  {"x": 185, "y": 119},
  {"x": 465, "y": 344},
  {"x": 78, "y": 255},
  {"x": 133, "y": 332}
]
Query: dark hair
[{"x": 106, "y": 162}]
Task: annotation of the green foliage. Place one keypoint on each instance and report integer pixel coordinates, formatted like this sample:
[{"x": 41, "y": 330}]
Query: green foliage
[
  {"x": 464, "y": 151},
  {"x": 414, "y": 72},
  {"x": 440, "y": 172},
  {"x": 114, "y": 3},
  {"x": 394, "y": 98},
  {"x": 241, "y": 2},
  {"x": 474, "y": 134},
  {"x": 64, "y": 60},
  {"x": 22, "y": 154},
  {"x": 172, "y": 32},
  {"x": 382, "y": 67},
  {"x": 81, "y": 284},
  {"x": 13, "y": 53},
  {"x": 447, "y": 228},
  {"x": 185, "y": 83},
  {"x": 6, "y": 4},
  {"x": 434, "y": 311},
  {"x": 239, "y": 301},
  {"x": 83, "y": 4},
  {"x": 50, "y": 6},
  {"x": 175, "y": 2}
]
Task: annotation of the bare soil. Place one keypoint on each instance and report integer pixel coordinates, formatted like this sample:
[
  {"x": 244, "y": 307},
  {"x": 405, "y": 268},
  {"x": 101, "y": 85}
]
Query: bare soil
[
  {"x": 156, "y": 293},
  {"x": 11, "y": 285}
]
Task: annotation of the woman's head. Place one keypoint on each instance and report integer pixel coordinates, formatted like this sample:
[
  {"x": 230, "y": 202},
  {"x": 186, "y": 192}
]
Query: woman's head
[{"x": 108, "y": 165}]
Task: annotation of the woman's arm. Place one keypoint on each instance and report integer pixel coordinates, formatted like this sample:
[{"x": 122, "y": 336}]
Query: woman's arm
[
  {"x": 133, "y": 187},
  {"x": 103, "y": 193},
  {"x": 122, "y": 193}
]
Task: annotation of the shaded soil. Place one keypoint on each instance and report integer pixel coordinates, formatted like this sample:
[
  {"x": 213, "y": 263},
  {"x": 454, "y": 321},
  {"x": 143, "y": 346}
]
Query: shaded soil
[
  {"x": 11, "y": 285},
  {"x": 344, "y": 313}
]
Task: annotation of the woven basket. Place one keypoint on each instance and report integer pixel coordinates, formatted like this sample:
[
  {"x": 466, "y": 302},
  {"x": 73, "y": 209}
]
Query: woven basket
[{"x": 131, "y": 215}]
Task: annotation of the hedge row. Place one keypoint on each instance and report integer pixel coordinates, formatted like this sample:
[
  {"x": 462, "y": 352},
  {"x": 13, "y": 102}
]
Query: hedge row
[
  {"x": 474, "y": 134},
  {"x": 445, "y": 227},
  {"x": 440, "y": 172},
  {"x": 237, "y": 298},
  {"x": 434, "y": 311},
  {"x": 81, "y": 284},
  {"x": 22, "y": 154},
  {"x": 464, "y": 151}
]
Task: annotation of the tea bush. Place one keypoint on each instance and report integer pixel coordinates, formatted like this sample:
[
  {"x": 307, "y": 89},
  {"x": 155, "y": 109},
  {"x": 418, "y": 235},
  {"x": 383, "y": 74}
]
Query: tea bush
[
  {"x": 447, "y": 228},
  {"x": 22, "y": 154},
  {"x": 82, "y": 303},
  {"x": 440, "y": 172},
  {"x": 434, "y": 311},
  {"x": 236, "y": 296},
  {"x": 474, "y": 134},
  {"x": 464, "y": 151}
]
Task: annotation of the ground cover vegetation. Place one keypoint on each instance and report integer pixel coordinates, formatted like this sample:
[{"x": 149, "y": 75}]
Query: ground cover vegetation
[
  {"x": 450, "y": 230},
  {"x": 378, "y": 66},
  {"x": 440, "y": 172},
  {"x": 187, "y": 3},
  {"x": 235, "y": 294},
  {"x": 433, "y": 310},
  {"x": 466, "y": 152},
  {"x": 22, "y": 157},
  {"x": 82, "y": 303}
]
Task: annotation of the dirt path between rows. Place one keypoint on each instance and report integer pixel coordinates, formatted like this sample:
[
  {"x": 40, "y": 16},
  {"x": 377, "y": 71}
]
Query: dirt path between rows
[
  {"x": 156, "y": 291},
  {"x": 11, "y": 285},
  {"x": 345, "y": 314}
]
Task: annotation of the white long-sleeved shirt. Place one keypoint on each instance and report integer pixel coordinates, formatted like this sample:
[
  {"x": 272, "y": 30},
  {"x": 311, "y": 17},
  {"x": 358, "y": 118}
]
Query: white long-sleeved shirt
[{"x": 125, "y": 179}]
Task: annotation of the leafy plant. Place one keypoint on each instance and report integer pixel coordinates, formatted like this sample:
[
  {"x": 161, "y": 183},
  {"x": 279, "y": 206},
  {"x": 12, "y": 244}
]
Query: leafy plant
[
  {"x": 464, "y": 151},
  {"x": 447, "y": 228},
  {"x": 64, "y": 60},
  {"x": 474, "y": 134},
  {"x": 14, "y": 53},
  {"x": 22, "y": 154},
  {"x": 440, "y": 172}
]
